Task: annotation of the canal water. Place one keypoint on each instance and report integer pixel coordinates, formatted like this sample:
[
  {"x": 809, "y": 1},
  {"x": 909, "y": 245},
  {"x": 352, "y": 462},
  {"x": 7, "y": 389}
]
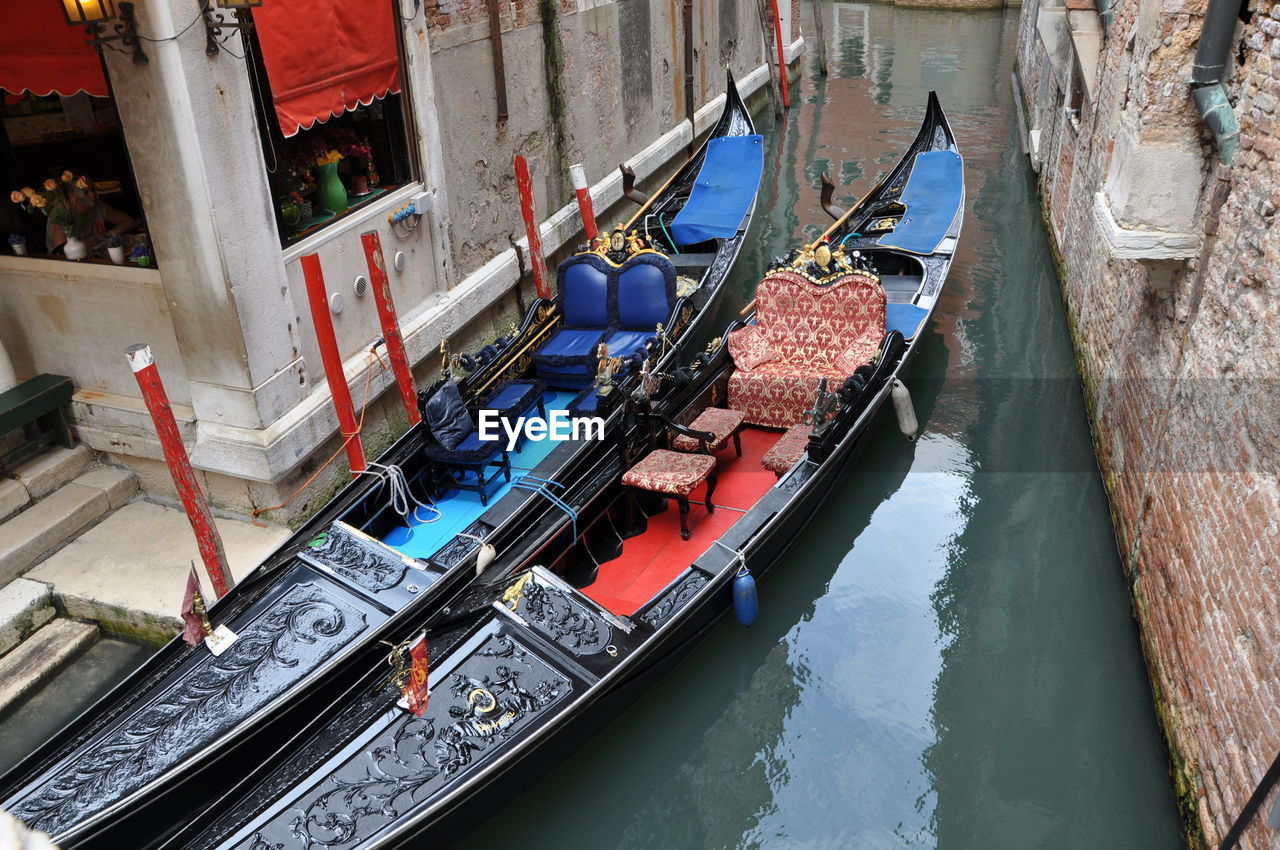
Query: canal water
[{"x": 948, "y": 659}]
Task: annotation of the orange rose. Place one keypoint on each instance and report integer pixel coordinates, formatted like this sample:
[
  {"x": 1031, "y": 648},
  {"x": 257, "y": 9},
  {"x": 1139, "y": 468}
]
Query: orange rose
[
  {"x": 66, "y": 176},
  {"x": 30, "y": 193},
  {"x": 38, "y": 202},
  {"x": 50, "y": 184},
  {"x": 17, "y": 197},
  {"x": 82, "y": 183}
]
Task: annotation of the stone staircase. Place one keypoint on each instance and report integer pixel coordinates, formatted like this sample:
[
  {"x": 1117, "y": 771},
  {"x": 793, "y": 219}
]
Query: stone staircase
[
  {"x": 82, "y": 554},
  {"x": 51, "y": 500}
]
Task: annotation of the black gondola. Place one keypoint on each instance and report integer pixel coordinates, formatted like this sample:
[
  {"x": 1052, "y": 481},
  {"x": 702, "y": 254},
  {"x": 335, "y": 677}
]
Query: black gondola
[
  {"x": 548, "y": 643},
  {"x": 312, "y": 616}
]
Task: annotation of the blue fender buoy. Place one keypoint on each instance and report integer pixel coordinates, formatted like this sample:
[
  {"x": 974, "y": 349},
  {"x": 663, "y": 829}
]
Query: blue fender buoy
[{"x": 746, "y": 604}]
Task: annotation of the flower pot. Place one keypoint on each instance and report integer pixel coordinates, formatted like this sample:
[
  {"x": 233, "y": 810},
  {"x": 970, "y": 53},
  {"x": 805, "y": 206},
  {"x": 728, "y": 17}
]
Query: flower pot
[
  {"x": 19, "y": 248},
  {"x": 75, "y": 249},
  {"x": 116, "y": 252},
  {"x": 143, "y": 262},
  {"x": 330, "y": 193}
]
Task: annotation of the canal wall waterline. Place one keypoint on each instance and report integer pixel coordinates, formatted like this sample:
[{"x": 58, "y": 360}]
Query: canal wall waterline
[{"x": 1166, "y": 249}]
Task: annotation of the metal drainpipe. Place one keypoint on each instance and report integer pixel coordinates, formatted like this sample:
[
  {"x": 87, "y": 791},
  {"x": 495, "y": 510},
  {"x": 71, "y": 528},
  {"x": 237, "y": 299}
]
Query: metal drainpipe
[
  {"x": 689, "y": 109},
  {"x": 1206, "y": 77}
]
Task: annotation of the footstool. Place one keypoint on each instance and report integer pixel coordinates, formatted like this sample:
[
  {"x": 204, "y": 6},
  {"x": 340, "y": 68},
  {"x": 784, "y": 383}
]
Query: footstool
[
  {"x": 722, "y": 422},
  {"x": 512, "y": 399},
  {"x": 674, "y": 474},
  {"x": 784, "y": 453}
]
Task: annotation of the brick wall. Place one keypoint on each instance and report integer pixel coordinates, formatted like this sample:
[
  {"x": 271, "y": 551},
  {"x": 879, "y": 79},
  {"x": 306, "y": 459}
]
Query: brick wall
[{"x": 1179, "y": 360}]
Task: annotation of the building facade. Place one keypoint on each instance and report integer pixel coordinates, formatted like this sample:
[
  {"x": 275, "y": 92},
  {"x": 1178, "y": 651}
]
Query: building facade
[
  {"x": 211, "y": 147},
  {"x": 1152, "y": 126}
]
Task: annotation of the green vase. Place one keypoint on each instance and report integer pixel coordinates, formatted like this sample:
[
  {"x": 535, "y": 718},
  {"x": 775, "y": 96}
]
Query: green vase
[{"x": 330, "y": 193}]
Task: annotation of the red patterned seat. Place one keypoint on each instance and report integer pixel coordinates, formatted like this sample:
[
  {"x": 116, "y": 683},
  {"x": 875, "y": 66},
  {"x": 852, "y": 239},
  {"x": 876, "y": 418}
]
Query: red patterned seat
[
  {"x": 717, "y": 420},
  {"x": 784, "y": 453},
  {"x": 817, "y": 331},
  {"x": 674, "y": 474}
]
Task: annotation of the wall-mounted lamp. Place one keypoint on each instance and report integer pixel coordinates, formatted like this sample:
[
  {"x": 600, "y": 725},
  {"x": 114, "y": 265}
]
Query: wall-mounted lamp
[
  {"x": 214, "y": 23},
  {"x": 96, "y": 17}
]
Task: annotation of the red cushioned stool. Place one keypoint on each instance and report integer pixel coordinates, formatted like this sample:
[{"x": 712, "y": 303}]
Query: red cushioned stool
[
  {"x": 784, "y": 453},
  {"x": 674, "y": 474},
  {"x": 716, "y": 420}
]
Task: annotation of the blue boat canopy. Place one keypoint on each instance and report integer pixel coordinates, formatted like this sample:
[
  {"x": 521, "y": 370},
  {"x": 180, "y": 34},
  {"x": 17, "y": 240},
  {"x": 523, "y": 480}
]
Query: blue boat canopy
[
  {"x": 723, "y": 191},
  {"x": 932, "y": 197}
]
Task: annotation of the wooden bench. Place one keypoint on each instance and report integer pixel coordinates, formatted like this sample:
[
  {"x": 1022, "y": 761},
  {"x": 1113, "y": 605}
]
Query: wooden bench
[{"x": 35, "y": 407}]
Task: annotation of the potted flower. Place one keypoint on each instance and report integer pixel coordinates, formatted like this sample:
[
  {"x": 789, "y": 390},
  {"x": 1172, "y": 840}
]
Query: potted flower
[
  {"x": 330, "y": 192},
  {"x": 356, "y": 148},
  {"x": 115, "y": 248},
  {"x": 65, "y": 202},
  {"x": 18, "y": 243},
  {"x": 141, "y": 254}
]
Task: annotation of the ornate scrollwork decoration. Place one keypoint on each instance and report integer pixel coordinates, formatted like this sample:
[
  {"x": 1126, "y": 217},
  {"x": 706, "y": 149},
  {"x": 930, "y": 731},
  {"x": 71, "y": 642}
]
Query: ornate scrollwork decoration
[
  {"x": 360, "y": 561},
  {"x": 565, "y": 620},
  {"x": 301, "y": 630},
  {"x": 489, "y": 698},
  {"x": 675, "y": 598}
]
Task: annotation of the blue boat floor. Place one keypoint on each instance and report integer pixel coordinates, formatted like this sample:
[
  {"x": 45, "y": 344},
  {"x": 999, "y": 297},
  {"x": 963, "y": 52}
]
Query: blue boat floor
[{"x": 460, "y": 508}]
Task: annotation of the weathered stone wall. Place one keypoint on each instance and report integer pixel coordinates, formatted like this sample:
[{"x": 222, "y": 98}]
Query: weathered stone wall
[
  {"x": 587, "y": 82},
  {"x": 1178, "y": 356}
]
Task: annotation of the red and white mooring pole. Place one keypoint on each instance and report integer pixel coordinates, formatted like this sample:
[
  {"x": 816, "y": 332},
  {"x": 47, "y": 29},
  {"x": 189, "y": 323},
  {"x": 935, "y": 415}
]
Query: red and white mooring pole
[
  {"x": 782, "y": 58},
  {"x": 583, "y": 191},
  {"x": 390, "y": 324},
  {"x": 144, "y": 369},
  {"x": 536, "y": 259},
  {"x": 332, "y": 361}
]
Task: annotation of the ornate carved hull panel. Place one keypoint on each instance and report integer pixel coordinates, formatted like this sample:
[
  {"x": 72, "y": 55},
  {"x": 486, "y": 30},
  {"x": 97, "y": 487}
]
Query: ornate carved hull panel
[
  {"x": 393, "y": 579},
  {"x": 400, "y": 763},
  {"x": 278, "y": 648},
  {"x": 684, "y": 588},
  {"x": 561, "y": 618}
]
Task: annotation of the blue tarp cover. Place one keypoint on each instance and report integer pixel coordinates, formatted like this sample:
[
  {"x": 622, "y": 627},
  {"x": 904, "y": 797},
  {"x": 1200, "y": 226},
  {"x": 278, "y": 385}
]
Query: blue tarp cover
[
  {"x": 723, "y": 192},
  {"x": 932, "y": 196}
]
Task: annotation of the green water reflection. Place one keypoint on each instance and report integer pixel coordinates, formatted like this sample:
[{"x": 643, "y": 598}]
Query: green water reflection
[{"x": 948, "y": 659}]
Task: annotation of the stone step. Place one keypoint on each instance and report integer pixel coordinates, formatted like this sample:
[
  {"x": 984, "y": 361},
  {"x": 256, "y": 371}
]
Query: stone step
[
  {"x": 129, "y": 572},
  {"x": 13, "y": 497},
  {"x": 39, "y": 476},
  {"x": 25, "y": 606},
  {"x": 40, "y": 656},
  {"x": 45, "y": 473},
  {"x": 49, "y": 523}
]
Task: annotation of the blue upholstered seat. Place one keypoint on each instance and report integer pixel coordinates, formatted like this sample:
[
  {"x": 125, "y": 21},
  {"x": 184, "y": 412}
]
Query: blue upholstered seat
[
  {"x": 620, "y": 306},
  {"x": 625, "y": 343}
]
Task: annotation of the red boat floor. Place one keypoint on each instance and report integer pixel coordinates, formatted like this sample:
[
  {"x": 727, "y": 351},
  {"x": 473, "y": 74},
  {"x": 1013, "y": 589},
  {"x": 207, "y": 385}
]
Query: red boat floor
[{"x": 649, "y": 561}]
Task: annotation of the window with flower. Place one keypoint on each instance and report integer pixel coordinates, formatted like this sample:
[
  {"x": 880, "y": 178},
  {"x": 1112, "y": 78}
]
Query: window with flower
[
  {"x": 71, "y": 189},
  {"x": 338, "y": 165}
]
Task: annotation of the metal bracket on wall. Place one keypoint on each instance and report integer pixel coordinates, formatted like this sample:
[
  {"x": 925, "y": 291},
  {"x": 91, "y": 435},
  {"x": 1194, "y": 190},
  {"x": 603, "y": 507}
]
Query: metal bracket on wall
[{"x": 499, "y": 67}]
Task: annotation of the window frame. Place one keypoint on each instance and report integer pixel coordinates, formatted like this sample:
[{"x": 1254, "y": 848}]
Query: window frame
[{"x": 272, "y": 139}]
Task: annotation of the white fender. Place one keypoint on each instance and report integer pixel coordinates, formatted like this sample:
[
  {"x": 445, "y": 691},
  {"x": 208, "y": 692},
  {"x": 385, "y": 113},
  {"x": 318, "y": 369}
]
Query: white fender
[{"x": 906, "y": 413}]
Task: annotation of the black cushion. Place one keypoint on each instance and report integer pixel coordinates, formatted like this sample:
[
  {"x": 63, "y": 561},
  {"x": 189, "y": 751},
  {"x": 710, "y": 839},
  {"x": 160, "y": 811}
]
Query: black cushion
[{"x": 447, "y": 415}]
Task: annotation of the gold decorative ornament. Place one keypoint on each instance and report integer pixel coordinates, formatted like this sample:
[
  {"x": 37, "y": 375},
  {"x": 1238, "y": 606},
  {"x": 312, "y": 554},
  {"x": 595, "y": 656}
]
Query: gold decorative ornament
[
  {"x": 511, "y": 596},
  {"x": 822, "y": 256},
  {"x": 482, "y": 700}
]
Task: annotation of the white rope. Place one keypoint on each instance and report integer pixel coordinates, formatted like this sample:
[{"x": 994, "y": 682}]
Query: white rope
[{"x": 401, "y": 494}]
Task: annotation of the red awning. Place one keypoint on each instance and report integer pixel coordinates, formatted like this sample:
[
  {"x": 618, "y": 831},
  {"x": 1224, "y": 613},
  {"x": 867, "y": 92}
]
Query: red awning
[
  {"x": 324, "y": 57},
  {"x": 40, "y": 52}
]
